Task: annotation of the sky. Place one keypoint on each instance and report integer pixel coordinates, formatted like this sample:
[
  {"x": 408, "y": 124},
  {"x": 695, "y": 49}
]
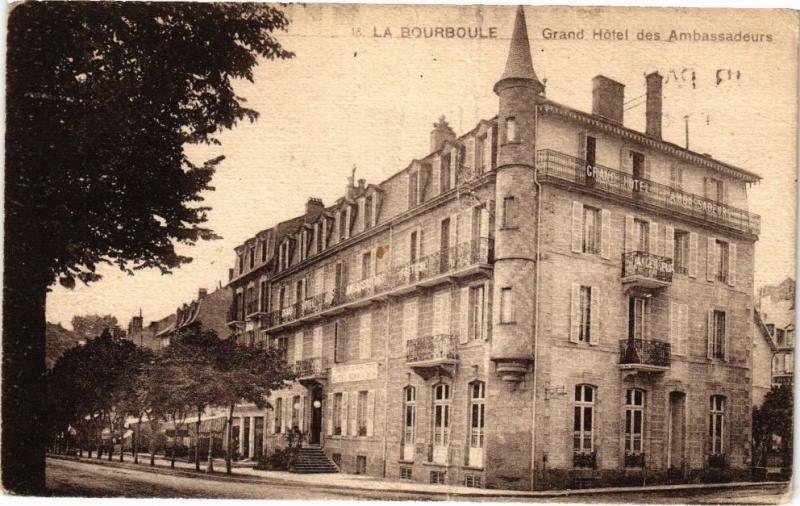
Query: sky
[{"x": 351, "y": 98}]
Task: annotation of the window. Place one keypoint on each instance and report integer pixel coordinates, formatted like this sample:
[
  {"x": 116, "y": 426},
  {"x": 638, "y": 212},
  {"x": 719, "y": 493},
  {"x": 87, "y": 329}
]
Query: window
[
  {"x": 405, "y": 473},
  {"x": 368, "y": 212},
  {"x": 779, "y": 337},
  {"x": 477, "y": 412},
  {"x": 413, "y": 245},
  {"x": 361, "y": 413},
  {"x": 714, "y": 190},
  {"x": 718, "y": 335},
  {"x": 263, "y": 295},
  {"x": 278, "y": 415},
  {"x": 441, "y": 414},
  {"x": 412, "y": 189},
  {"x": 437, "y": 477},
  {"x": 676, "y": 177},
  {"x": 409, "y": 415},
  {"x": 366, "y": 265},
  {"x": 591, "y": 151},
  {"x": 681, "y": 254},
  {"x": 722, "y": 261},
  {"x": 296, "y": 412},
  {"x": 263, "y": 251},
  {"x": 472, "y": 481},
  {"x": 510, "y": 213},
  {"x": 282, "y": 297},
  {"x": 445, "y": 173},
  {"x": 251, "y": 253},
  {"x": 637, "y": 162},
  {"x": 583, "y": 436},
  {"x": 480, "y": 151},
  {"x": 591, "y": 230},
  {"x": 506, "y": 305},
  {"x": 511, "y": 129},
  {"x": 337, "y": 414},
  {"x": 477, "y": 316},
  {"x": 584, "y": 332},
  {"x": 716, "y": 425},
  {"x": 361, "y": 464},
  {"x": 299, "y": 291},
  {"x": 634, "y": 421},
  {"x": 643, "y": 235},
  {"x": 241, "y": 263},
  {"x": 636, "y": 316},
  {"x": 282, "y": 344}
]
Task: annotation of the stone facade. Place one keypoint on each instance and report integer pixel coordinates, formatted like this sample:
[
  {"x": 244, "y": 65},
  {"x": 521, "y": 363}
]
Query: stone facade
[{"x": 549, "y": 300}]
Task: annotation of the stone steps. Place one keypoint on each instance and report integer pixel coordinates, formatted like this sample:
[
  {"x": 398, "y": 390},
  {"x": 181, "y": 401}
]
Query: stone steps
[{"x": 312, "y": 460}]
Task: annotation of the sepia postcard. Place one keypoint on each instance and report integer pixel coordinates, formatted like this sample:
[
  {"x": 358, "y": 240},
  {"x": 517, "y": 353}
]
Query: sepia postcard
[{"x": 399, "y": 252}]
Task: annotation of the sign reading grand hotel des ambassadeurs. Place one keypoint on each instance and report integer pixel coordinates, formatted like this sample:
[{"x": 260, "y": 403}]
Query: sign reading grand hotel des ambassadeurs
[{"x": 622, "y": 181}]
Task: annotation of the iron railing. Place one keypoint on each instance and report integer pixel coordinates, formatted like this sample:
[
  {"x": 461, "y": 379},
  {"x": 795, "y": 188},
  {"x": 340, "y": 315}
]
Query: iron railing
[
  {"x": 310, "y": 367},
  {"x": 644, "y": 352},
  {"x": 585, "y": 459},
  {"x": 553, "y": 165},
  {"x": 648, "y": 265},
  {"x": 466, "y": 254},
  {"x": 634, "y": 459},
  {"x": 435, "y": 347}
]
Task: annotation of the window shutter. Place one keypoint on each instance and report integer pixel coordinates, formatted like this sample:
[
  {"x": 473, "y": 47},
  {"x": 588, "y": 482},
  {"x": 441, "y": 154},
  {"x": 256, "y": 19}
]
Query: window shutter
[
  {"x": 365, "y": 336},
  {"x": 726, "y": 341},
  {"x": 582, "y": 145},
  {"x": 345, "y": 413},
  {"x": 577, "y": 226},
  {"x": 710, "y": 334},
  {"x": 303, "y": 414},
  {"x": 298, "y": 346},
  {"x": 319, "y": 281},
  {"x": 648, "y": 167},
  {"x": 693, "y": 254},
  {"x": 630, "y": 232},
  {"x": 453, "y": 238},
  {"x": 370, "y": 413},
  {"x": 683, "y": 337},
  {"x": 625, "y": 160},
  {"x": 711, "y": 255},
  {"x": 594, "y": 331},
  {"x": 653, "y": 239},
  {"x": 287, "y": 414},
  {"x": 673, "y": 325},
  {"x": 669, "y": 241},
  {"x": 575, "y": 313},
  {"x": 316, "y": 346},
  {"x": 463, "y": 334},
  {"x": 605, "y": 234},
  {"x": 352, "y": 416},
  {"x": 329, "y": 411},
  {"x": 732, "y": 263},
  {"x": 484, "y": 231}
]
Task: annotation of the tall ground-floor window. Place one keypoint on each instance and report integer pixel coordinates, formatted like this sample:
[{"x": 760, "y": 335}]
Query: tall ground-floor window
[
  {"x": 634, "y": 426},
  {"x": 716, "y": 426},
  {"x": 477, "y": 408},
  {"x": 296, "y": 412},
  {"x": 361, "y": 413},
  {"x": 583, "y": 424},
  {"x": 278, "y": 415},
  {"x": 441, "y": 414},
  {"x": 337, "y": 414}
]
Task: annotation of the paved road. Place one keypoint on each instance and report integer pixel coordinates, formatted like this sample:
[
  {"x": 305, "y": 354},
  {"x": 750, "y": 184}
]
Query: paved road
[{"x": 69, "y": 478}]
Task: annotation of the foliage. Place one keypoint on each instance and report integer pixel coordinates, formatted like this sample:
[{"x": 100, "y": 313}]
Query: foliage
[
  {"x": 279, "y": 460},
  {"x": 58, "y": 341},
  {"x": 91, "y": 325},
  {"x": 773, "y": 417}
]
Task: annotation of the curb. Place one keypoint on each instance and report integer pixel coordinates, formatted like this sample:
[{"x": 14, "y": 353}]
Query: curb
[{"x": 488, "y": 493}]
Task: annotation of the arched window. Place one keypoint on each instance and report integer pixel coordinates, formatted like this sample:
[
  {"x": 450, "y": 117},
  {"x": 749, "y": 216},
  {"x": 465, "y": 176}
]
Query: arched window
[
  {"x": 583, "y": 426},
  {"x": 634, "y": 421},
  {"x": 441, "y": 414},
  {"x": 716, "y": 427},
  {"x": 477, "y": 395}
]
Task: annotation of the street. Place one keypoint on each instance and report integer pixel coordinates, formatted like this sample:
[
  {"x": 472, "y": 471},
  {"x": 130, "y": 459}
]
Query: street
[{"x": 70, "y": 478}]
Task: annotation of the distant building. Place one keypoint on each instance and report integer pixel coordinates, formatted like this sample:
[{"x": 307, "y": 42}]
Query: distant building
[
  {"x": 209, "y": 311},
  {"x": 776, "y": 326}
]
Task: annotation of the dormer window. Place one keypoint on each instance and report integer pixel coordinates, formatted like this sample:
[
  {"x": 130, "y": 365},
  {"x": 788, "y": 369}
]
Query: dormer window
[
  {"x": 480, "y": 152},
  {"x": 252, "y": 254},
  {"x": 445, "y": 173},
  {"x": 413, "y": 189},
  {"x": 241, "y": 262},
  {"x": 368, "y": 212},
  {"x": 714, "y": 190},
  {"x": 263, "y": 251},
  {"x": 342, "y": 225}
]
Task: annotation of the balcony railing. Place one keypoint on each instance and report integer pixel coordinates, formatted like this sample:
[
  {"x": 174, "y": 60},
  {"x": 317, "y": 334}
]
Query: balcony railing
[
  {"x": 467, "y": 254},
  {"x": 556, "y": 166},
  {"x": 310, "y": 367},
  {"x": 646, "y": 268},
  {"x": 435, "y": 348},
  {"x": 641, "y": 352},
  {"x": 235, "y": 314}
]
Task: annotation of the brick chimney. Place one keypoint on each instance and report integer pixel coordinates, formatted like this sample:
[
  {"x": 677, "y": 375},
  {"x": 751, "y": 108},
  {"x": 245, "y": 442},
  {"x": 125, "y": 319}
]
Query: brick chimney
[
  {"x": 653, "y": 105},
  {"x": 314, "y": 206},
  {"x": 440, "y": 134},
  {"x": 201, "y": 294},
  {"x": 608, "y": 98}
]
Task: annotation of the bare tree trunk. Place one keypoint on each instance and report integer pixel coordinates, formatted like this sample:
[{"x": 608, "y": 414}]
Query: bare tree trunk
[
  {"x": 229, "y": 437},
  {"x": 136, "y": 441},
  {"x": 210, "y": 466}
]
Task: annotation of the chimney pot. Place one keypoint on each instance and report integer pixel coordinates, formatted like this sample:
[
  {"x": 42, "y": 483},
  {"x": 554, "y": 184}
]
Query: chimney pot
[
  {"x": 440, "y": 134},
  {"x": 201, "y": 293},
  {"x": 608, "y": 98},
  {"x": 314, "y": 205},
  {"x": 653, "y": 105}
]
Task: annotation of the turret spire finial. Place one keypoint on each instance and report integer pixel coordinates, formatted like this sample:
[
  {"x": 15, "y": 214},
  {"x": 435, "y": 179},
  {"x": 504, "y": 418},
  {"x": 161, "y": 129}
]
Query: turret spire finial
[{"x": 519, "y": 65}]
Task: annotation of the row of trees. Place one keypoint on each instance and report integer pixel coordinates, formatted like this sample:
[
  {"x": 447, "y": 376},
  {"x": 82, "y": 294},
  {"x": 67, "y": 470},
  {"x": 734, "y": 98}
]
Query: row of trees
[{"x": 110, "y": 381}]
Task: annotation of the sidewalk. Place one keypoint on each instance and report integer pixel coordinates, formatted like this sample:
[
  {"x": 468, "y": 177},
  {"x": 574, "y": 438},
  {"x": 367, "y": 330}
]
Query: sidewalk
[{"x": 243, "y": 472}]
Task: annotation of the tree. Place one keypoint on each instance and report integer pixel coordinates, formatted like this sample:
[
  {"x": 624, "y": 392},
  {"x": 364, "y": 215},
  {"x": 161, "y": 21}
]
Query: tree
[
  {"x": 101, "y": 100},
  {"x": 92, "y": 325},
  {"x": 247, "y": 374},
  {"x": 773, "y": 417}
]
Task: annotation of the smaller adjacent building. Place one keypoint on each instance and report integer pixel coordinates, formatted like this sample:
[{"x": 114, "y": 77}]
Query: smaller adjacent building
[{"x": 775, "y": 309}]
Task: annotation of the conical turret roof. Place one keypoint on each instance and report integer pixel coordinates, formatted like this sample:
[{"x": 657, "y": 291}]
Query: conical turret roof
[{"x": 520, "y": 64}]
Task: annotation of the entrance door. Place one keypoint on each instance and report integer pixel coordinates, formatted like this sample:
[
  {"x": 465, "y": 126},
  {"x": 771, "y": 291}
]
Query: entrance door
[
  {"x": 316, "y": 416},
  {"x": 677, "y": 431}
]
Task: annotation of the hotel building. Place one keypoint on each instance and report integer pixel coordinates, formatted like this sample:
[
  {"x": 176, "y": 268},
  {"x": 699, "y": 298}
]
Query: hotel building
[{"x": 549, "y": 300}]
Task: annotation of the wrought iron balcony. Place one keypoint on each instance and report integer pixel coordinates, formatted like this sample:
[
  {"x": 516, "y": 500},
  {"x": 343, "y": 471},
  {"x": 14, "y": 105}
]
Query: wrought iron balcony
[
  {"x": 311, "y": 370},
  {"x": 644, "y": 355},
  {"x": 464, "y": 259},
  {"x": 429, "y": 354},
  {"x": 561, "y": 168},
  {"x": 640, "y": 268}
]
